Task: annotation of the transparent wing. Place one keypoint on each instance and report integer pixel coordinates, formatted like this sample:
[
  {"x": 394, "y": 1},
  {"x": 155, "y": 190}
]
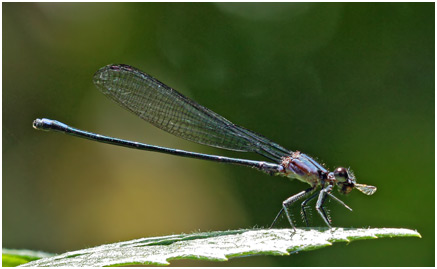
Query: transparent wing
[{"x": 172, "y": 112}]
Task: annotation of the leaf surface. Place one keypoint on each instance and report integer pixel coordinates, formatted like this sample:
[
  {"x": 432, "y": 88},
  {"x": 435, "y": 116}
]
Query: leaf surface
[{"x": 215, "y": 246}]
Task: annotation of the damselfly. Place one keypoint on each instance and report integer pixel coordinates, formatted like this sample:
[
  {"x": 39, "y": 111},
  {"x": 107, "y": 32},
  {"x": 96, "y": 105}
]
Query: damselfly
[{"x": 170, "y": 111}]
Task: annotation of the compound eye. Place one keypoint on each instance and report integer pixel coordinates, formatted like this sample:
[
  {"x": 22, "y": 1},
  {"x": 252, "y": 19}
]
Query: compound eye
[{"x": 341, "y": 174}]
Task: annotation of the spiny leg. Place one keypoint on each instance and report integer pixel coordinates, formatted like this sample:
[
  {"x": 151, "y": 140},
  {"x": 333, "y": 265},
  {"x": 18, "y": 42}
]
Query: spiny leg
[
  {"x": 276, "y": 218},
  {"x": 320, "y": 201},
  {"x": 339, "y": 201},
  {"x": 289, "y": 202},
  {"x": 303, "y": 204}
]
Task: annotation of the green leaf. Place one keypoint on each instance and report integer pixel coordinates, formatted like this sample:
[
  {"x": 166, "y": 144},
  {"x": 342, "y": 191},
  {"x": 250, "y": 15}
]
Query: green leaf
[
  {"x": 15, "y": 257},
  {"x": 215, "y": 246}
]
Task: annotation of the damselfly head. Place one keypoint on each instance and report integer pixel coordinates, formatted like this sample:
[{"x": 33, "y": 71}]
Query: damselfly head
[{"x": 346, "y": 182}]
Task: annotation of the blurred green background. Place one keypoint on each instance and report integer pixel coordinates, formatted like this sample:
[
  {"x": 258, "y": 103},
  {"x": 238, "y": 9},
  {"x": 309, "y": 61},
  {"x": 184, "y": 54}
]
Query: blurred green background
[{"x": 350, "y": 84}]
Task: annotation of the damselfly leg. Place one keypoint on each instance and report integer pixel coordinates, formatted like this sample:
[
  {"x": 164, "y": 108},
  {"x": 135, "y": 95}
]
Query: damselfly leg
[{"x": 288, "y": 202}]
